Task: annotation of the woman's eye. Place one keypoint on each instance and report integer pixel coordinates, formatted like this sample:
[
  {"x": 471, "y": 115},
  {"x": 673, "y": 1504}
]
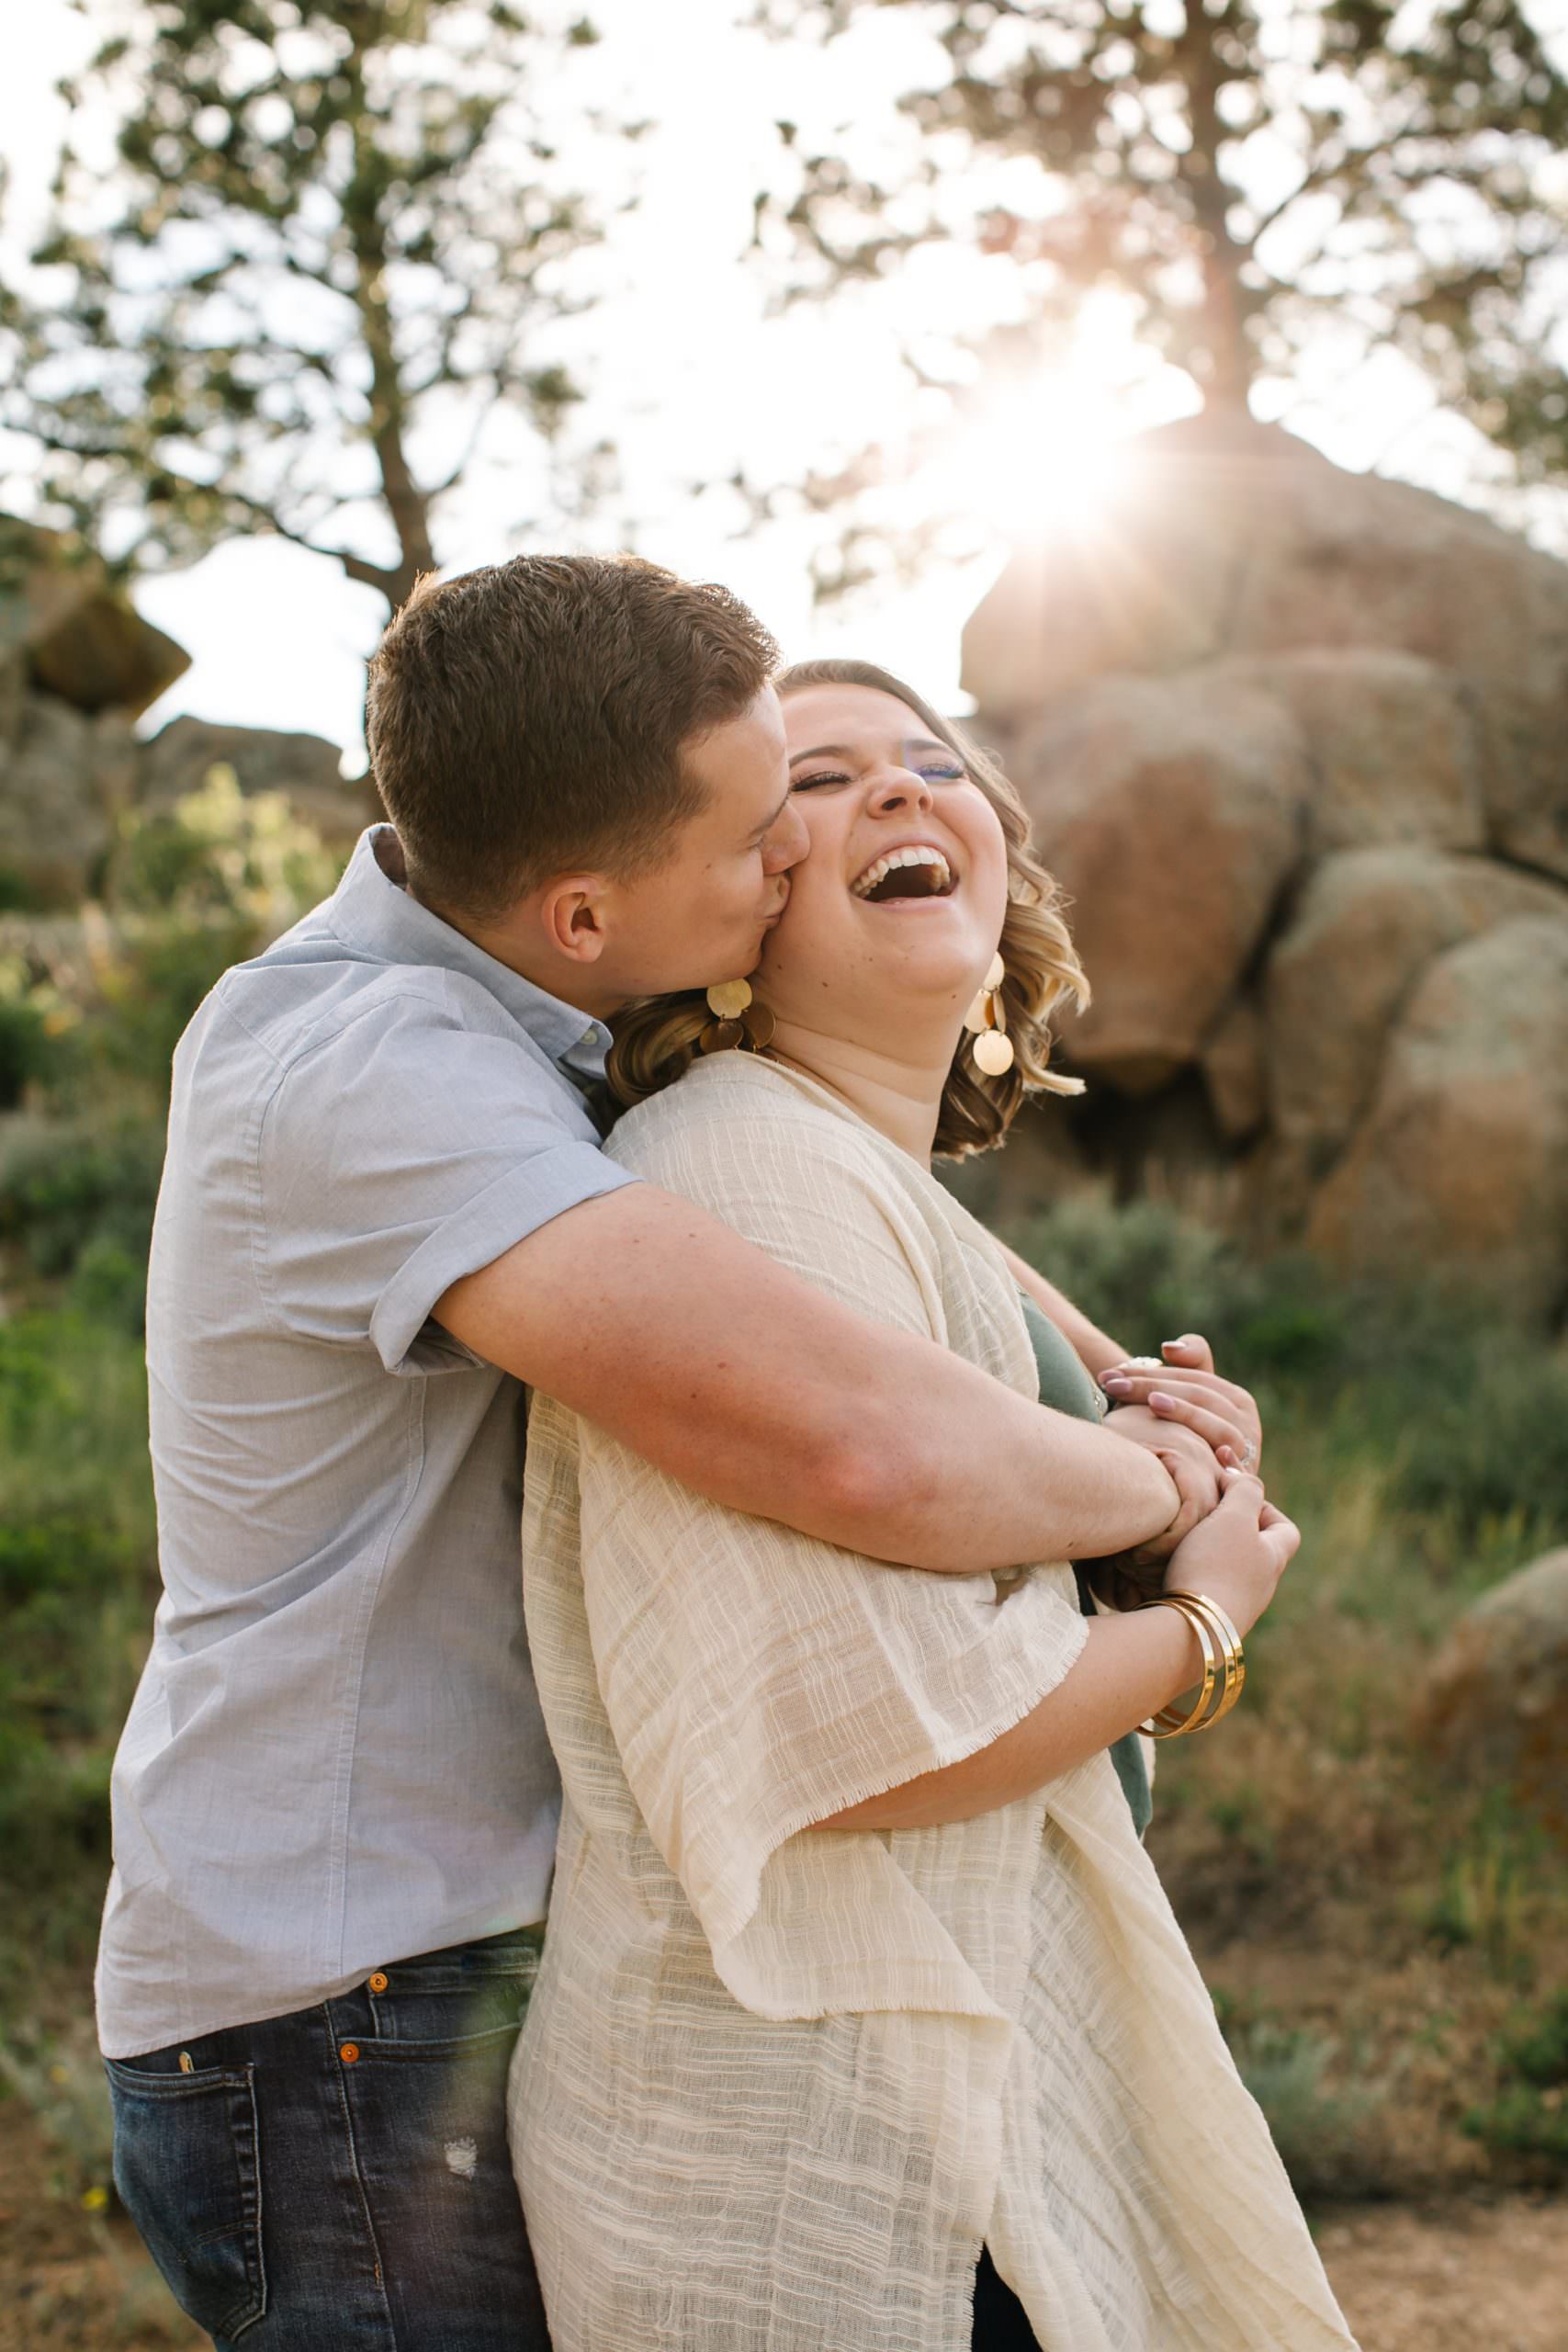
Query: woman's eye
[
  {"x": 948, "y": 773},
  {"x": 828, "y": 775}
]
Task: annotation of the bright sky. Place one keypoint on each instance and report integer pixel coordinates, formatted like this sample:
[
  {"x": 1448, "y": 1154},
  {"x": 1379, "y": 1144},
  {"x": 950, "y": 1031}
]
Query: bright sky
[{"x": 685, "y": 367}]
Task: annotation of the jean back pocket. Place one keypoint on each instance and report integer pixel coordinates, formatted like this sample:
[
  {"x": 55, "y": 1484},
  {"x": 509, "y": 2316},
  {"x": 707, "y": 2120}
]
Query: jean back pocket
[{"x": 188, "y": 2168}]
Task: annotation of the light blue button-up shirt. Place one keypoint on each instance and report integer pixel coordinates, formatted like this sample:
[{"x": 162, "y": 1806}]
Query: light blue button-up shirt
[{"x": 335, "y": 1757}]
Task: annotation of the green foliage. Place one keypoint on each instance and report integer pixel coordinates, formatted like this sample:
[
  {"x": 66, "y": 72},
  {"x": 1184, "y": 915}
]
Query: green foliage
[
  {"x": 1468, "y": 1412},
  {"x": 24, "y": 1049},
  {"x": 222, "y": 855},
  {"x": 77, "y": 1579},
  {"x": 331, "y": 228},
  {"x": 194, "y": 889},
  {"x": 1489, "y": 1877},
  {"x": 1538, "y": 2052},
  {"x": 33, "y": 1021},
  {"x": 1494, "y": 1441},
  {"x": 1318, "y": 2131},
  {"x": 110, "y": 1285},
  {"x": 65, "y": 1189},
  {"x": 1529, "y": 2116},
  {"x": 154, "y": 988},
  {"x": 64, "y": 2085}
]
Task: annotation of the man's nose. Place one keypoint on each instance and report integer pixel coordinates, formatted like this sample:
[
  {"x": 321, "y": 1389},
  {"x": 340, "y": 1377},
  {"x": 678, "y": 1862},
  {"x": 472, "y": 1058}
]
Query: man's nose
[{"x": 788, "y": 842}]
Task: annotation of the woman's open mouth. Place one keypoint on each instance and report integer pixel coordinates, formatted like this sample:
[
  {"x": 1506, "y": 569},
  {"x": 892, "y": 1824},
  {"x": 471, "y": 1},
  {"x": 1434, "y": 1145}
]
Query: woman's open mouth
[{"x": 919, "y": 870}]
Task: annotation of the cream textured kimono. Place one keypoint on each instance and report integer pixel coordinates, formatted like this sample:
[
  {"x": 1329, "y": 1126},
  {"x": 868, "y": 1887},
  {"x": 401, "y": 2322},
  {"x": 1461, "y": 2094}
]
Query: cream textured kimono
[{"x": 777, "y": 2086}]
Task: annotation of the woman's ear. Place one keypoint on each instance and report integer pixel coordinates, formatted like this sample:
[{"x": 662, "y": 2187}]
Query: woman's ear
[{"x": 573, "y": 912}]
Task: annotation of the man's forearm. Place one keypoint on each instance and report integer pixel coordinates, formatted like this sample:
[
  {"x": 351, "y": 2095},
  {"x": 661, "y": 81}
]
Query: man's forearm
[
  {"x": 745, "y": 1382},
  {"x": 1092, "y": 1345}
]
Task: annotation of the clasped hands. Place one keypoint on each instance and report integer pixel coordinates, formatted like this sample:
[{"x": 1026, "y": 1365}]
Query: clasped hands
[{"x": 1197, "y": 1423}]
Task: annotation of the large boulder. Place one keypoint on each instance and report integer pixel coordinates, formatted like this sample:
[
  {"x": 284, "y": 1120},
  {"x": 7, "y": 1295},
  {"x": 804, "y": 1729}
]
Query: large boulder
[
  {"x": 1461, "y": 1160},
  {"x": 179, "y": 758},
  {"x": 1295, "y": 742},
  {"x": 1523, "y": 742},
  {"x": 67, "y": 630},
  {"x": 1494, "y": 1701},
  {"x": 63, "y": 782},
  {"x": 1365, "y": 926},
  {"x": 1246, "y": 541},
  {"x": 1170, "y": 812},
  {"x": 1393, "y": 743}
]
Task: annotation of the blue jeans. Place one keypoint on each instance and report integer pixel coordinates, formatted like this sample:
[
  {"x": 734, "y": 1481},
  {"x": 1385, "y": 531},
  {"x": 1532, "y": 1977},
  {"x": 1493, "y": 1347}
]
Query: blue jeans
[{"x": 338, "y": 2180}]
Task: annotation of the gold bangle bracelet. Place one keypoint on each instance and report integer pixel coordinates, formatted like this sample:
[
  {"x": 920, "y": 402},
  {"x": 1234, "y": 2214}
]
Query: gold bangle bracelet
[
  {"x": 1198, "y": 1608},
  {"x": 1233, "y": 1641},
  {"x": 1170, "y": 1723}
]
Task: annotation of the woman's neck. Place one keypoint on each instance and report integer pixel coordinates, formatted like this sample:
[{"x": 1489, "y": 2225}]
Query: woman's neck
[{"x": 897, "y": 1092}]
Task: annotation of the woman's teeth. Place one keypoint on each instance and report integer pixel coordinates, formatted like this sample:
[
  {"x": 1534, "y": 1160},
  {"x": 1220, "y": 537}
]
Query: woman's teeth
[{"x": 921, "y": 853}]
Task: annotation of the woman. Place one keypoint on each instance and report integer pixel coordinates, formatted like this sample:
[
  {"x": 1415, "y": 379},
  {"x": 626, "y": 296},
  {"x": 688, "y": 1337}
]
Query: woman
[{"x": 858, "y": 1985}]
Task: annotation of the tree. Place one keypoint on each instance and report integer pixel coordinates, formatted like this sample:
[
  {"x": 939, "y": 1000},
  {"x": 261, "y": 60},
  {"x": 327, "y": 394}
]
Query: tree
[
  {"x": 1244, "y": 175},
  {"x": 324, "y": 266}
]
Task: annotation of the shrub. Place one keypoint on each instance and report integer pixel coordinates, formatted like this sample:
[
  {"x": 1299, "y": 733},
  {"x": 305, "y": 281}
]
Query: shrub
[
  {"x": 24, "y": 1049},
  {"x": 1319, "y": 2133},
  {"x": 1497, "y": 1445},
  {"x": 1529, "y": 2116},
  {"x": 77, "y": 1580},
  {"x": 151, "y": 990},
  {"x": 32, "y": 1019},
  {"x": 66, "y": 1188},
  {"x": 109, "y": 1286}
]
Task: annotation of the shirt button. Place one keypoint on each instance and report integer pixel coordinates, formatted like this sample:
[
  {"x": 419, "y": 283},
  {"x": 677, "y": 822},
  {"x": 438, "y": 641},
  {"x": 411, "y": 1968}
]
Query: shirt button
[
  {"x": 379, "y": 1982},
  {"x": 349, "y": 2052}
]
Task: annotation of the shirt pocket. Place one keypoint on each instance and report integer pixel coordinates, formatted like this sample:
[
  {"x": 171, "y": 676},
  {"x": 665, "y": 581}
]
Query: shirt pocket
[{"x": 187, "y": 2170}]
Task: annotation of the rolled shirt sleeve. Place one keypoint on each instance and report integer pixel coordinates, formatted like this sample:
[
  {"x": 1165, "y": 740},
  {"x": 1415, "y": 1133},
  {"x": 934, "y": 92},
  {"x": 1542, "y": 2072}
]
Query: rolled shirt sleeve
[{"x": 418, "y": 1140}]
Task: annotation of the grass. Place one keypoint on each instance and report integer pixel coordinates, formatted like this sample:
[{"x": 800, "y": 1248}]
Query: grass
[
  {"x": 1369, "y": 1926},
  {"x": 84, "y": 1091}
]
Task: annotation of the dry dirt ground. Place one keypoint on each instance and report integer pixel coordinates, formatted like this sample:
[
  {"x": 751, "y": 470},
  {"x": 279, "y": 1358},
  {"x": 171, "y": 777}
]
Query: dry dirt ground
[{"x": 1456, "y": 2278}]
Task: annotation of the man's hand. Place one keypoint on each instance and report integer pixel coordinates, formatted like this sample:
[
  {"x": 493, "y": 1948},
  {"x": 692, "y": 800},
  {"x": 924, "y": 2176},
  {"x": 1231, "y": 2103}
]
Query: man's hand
[
  {"x": 1189, "y": 1394},
  {"x": 1192, "y": 1463},
  {"x": 1125, "y": 1579}
]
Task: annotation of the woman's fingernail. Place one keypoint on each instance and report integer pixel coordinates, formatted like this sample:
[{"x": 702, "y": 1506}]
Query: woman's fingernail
[
  {"x": 1117, "y": 1385},
  {"x": 1158, "y": 1397}
]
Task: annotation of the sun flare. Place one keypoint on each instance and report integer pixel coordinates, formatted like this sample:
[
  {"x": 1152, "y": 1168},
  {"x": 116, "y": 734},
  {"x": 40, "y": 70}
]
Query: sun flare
[{"x": 1038, "y": 456}]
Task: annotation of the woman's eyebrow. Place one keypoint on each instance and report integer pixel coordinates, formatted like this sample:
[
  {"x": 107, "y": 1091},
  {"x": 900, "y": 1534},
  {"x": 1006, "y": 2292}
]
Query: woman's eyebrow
[{"x": 845, "y": 752}]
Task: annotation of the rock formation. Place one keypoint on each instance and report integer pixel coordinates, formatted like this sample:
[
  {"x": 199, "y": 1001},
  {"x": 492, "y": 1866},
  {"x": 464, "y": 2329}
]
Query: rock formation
[
  {"x": 1295, "y": 742},
  {"x": 1494, "y": 1702},
  {"x": 77, "y": 666}
]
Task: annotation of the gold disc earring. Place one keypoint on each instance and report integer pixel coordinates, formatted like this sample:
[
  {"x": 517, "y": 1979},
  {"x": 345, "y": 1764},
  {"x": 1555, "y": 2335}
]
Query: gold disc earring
[
  {"x": 992, "y": 1049},
  {"x": 727, "y": 1000}
]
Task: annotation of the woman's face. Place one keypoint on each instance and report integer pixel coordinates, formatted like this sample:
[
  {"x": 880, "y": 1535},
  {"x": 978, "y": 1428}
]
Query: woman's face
[{"x": 900, "y": 904}]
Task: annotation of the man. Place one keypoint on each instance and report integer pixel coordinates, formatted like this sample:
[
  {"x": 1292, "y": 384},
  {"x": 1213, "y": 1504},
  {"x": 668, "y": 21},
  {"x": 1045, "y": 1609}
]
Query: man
[{"x": 384, "y": 1212}]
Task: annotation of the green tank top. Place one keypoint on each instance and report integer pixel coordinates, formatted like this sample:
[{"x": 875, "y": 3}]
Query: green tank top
[{"x": 1064, "y": 1382}]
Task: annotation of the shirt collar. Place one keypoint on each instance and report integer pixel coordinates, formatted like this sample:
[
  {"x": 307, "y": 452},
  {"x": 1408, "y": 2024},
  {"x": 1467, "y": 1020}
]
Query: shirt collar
[{"x": 373, "y": 912}]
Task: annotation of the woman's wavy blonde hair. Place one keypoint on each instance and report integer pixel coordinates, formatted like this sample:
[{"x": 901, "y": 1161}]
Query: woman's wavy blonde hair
[{"x": 656, "y": 1040}]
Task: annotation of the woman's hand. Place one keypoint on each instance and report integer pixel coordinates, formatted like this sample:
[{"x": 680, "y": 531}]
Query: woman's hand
[
  {"x": 1190, "y": 1393},
  {"x": 1239, "y": 1553}
]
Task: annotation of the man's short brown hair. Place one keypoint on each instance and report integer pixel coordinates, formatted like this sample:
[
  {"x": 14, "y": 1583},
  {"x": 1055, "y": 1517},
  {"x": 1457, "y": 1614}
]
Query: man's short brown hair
[{"x": 528, "y": 719}]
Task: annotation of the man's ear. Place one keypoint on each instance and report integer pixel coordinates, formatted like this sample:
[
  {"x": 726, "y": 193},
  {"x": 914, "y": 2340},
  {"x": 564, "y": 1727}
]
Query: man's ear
[{"x": 573, "y": 912}]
